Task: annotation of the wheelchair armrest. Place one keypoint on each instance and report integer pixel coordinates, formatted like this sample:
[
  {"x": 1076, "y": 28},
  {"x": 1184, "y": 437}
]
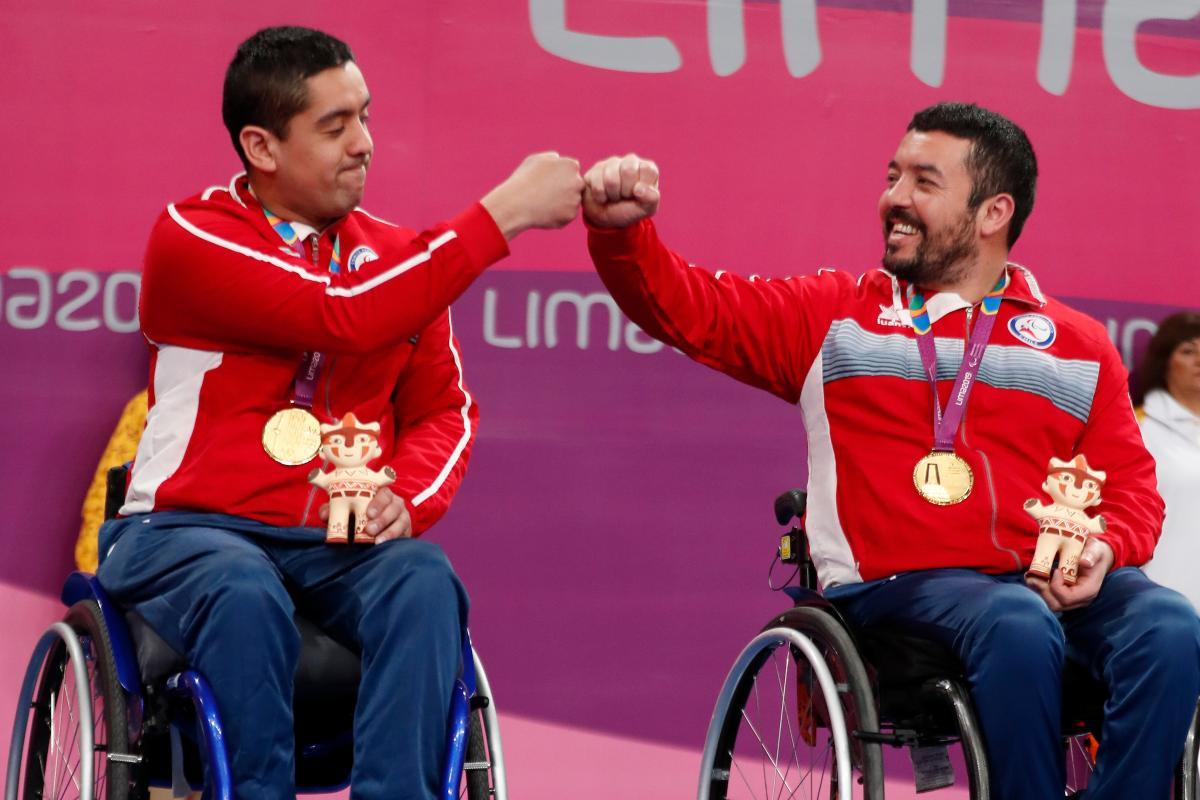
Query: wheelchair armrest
[
  {"x": 790, "y": 504},
  {"x": 81, "y": 586}
]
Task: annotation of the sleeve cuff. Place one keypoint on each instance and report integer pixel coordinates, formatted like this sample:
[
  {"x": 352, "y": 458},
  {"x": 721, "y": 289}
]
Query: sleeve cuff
[
  {"x": 480, "y": 237},
  {"x": 629, "y": 232},
  {"x": 1116, "y": 546}
]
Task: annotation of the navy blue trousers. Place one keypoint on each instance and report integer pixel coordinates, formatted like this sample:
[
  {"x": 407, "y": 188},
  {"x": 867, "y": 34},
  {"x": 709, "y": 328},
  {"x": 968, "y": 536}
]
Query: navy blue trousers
[
  {"x": 1139, "y": 639},
  {"x": 223, "y": 591}
]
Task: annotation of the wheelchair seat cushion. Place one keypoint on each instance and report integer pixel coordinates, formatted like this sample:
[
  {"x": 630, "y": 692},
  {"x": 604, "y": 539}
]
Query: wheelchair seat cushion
[
  {"x": 902, "y": 663},
  {"x": 327, "y": 669},
  {"x": 903, "y": 660}
]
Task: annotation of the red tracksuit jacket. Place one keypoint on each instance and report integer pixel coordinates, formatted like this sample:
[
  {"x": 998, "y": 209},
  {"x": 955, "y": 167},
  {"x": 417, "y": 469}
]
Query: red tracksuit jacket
[
  {"x": 1050, "y": 384},
  {"x": 228, "y": 309}
]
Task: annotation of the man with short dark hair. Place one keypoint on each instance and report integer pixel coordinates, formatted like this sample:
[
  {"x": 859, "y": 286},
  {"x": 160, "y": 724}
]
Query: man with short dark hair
[
  {"x": 271, "y": 304},
  {"x": 921, "y": 525}
]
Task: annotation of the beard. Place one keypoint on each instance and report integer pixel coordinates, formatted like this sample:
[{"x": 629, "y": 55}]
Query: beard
[{"x": 942, "y": 258}]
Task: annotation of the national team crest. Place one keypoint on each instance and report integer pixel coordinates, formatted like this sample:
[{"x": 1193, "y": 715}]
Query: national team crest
[
  {"x": 359, "y": 256},
  {"x": 1035, "y": 330}
]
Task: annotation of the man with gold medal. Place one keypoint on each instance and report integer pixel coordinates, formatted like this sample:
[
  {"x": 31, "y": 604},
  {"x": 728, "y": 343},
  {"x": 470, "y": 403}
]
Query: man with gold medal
[
  {"x": 933, "y": 392},
  {"x": 271, "y": 304}
]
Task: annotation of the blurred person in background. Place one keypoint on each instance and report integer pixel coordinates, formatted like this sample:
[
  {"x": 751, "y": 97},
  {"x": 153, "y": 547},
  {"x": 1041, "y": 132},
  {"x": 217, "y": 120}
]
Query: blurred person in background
[{"x": 1169, "y": 400}]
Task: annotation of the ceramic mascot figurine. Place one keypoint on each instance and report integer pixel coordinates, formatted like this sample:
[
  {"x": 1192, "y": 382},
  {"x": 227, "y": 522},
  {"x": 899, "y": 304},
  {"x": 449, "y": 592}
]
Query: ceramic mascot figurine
[
  {"x": 349, "y": 445},
  {"x": 1063, "y": 527}
]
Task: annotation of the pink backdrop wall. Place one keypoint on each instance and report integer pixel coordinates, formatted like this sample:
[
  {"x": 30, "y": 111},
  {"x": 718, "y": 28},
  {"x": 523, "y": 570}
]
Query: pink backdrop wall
[{"x": 614, "y": 527}]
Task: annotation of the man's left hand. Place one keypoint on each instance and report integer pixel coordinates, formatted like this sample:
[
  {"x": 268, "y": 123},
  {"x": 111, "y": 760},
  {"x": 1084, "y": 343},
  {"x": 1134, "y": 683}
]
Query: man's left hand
[
  {"x": 388, "y": 517},
  {"x": 1094, "y": 564}
]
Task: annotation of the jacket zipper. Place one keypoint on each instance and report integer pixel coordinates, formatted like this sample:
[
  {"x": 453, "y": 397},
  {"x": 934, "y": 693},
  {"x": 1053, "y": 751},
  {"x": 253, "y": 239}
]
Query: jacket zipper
[
  {"x": 315, "y": 248},
  {"x": 987, "y": 468}
]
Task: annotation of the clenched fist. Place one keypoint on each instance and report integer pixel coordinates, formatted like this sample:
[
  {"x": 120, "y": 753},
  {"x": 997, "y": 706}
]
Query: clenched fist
[
  {"x": 543, "y": 192},
  {"x": 619, "y": 191}
]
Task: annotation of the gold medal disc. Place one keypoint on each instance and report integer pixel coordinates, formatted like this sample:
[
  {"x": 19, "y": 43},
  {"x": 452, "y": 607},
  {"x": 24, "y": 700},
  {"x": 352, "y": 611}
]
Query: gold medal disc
[
  {"x": 292, "y": 436},
  {"x": 943, "y": 478}
]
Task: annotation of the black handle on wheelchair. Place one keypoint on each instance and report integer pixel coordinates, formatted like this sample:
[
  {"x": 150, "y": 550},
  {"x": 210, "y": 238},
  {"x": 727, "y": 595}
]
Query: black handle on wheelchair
[
  {"x": 114, "y": 490},
  {"x": 790, "y": 504},
  {"x": 793, "y": 545}
]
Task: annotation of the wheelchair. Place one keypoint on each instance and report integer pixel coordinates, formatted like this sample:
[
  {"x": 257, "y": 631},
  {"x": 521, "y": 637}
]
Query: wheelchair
[
  {"x": 107, "y": 710},
  {"x": 805, "y": 712}
]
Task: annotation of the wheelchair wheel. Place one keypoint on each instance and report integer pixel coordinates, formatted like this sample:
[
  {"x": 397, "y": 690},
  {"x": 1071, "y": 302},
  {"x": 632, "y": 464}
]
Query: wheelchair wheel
[
  {"x": 785, "y": 719},
  {"x": 54, "y": 751}
]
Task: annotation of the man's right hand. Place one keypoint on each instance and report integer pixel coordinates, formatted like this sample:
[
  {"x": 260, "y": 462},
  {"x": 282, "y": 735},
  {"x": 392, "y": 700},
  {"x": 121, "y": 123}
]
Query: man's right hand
[
  {"x": 619, "y": 191},
  {"x": 544, "y": 192}
]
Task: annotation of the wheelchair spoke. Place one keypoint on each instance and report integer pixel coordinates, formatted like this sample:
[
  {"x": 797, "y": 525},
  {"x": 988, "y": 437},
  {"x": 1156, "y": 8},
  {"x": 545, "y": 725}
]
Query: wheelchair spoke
[
  {"x": 812, "y": 767},
  {"x": 64, "y": 775},
  {"x": 99, "y": 737},
  {"x": 782, "y": 681},
  {"x": 67, "y": 770},
  {"x": 804, "y": 780},
  {"x": 65, "y": 716},
  {"x": 737, "y": 764},
  {"x": 792, "y": 733},
  {"x": 762, "y": 746},
  {"x": 758, "y": 713},
  {"x": 71, "y": 777},
  {"x": 52, "y": 748},
  {"x": 784, "y": 706}
]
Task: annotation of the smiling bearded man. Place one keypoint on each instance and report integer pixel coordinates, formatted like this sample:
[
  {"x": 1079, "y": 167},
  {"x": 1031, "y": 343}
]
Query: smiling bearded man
[{"x": 924, "y": 530}]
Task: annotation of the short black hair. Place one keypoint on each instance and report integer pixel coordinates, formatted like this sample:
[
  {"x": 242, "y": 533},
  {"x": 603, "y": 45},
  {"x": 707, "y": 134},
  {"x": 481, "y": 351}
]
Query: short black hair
[
  {"x": 264, "y": 84},
  {"x": 1172, "y": 332},
  {"x": 1000, "y": 160}
]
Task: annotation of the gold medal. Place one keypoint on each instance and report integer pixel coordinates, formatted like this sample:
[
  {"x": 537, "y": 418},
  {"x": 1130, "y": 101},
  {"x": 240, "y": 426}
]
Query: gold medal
[
  {"x": 943, "y": 478},
  {"x": 292, "y": 436}
]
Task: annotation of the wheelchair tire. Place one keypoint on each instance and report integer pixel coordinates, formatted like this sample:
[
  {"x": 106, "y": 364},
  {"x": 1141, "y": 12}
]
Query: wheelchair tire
[
  {"x": 51, "y": 747},
  {"x": 796, "y": 700},
  {"x": 477, "y": 771}
]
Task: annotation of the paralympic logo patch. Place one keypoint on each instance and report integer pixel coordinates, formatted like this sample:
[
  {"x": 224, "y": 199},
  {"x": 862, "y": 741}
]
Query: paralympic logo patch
[
  {"x": 359, "y": 256},
  {"x": 1035, "y": 330}
]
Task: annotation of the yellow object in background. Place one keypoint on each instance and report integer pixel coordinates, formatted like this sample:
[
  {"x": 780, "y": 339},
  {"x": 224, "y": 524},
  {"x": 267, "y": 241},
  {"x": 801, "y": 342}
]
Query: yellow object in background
[{"x": 121, "y": 448}]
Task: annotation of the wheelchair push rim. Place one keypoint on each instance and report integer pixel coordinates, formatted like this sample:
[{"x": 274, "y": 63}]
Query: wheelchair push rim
[{"x": 778, "y": 729}]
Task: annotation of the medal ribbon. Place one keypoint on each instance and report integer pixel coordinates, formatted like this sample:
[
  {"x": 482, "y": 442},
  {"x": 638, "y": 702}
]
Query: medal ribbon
[
  {"x": 290, "y": 237},
  {"x": 945, "y": 426},
  {"x": 304, "y": 386}
]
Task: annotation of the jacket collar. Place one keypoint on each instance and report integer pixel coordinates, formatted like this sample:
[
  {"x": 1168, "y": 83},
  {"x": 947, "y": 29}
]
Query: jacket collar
[
  {"x": 243, "y": 194},
  {"x": 1022, "y": 289}
]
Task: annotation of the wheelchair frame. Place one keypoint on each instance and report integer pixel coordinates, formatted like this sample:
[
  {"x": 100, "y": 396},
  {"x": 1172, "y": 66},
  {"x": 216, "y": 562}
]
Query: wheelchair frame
[
  {"x": 813, "y": 643},
  {"x": 473, "y": 748}
]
